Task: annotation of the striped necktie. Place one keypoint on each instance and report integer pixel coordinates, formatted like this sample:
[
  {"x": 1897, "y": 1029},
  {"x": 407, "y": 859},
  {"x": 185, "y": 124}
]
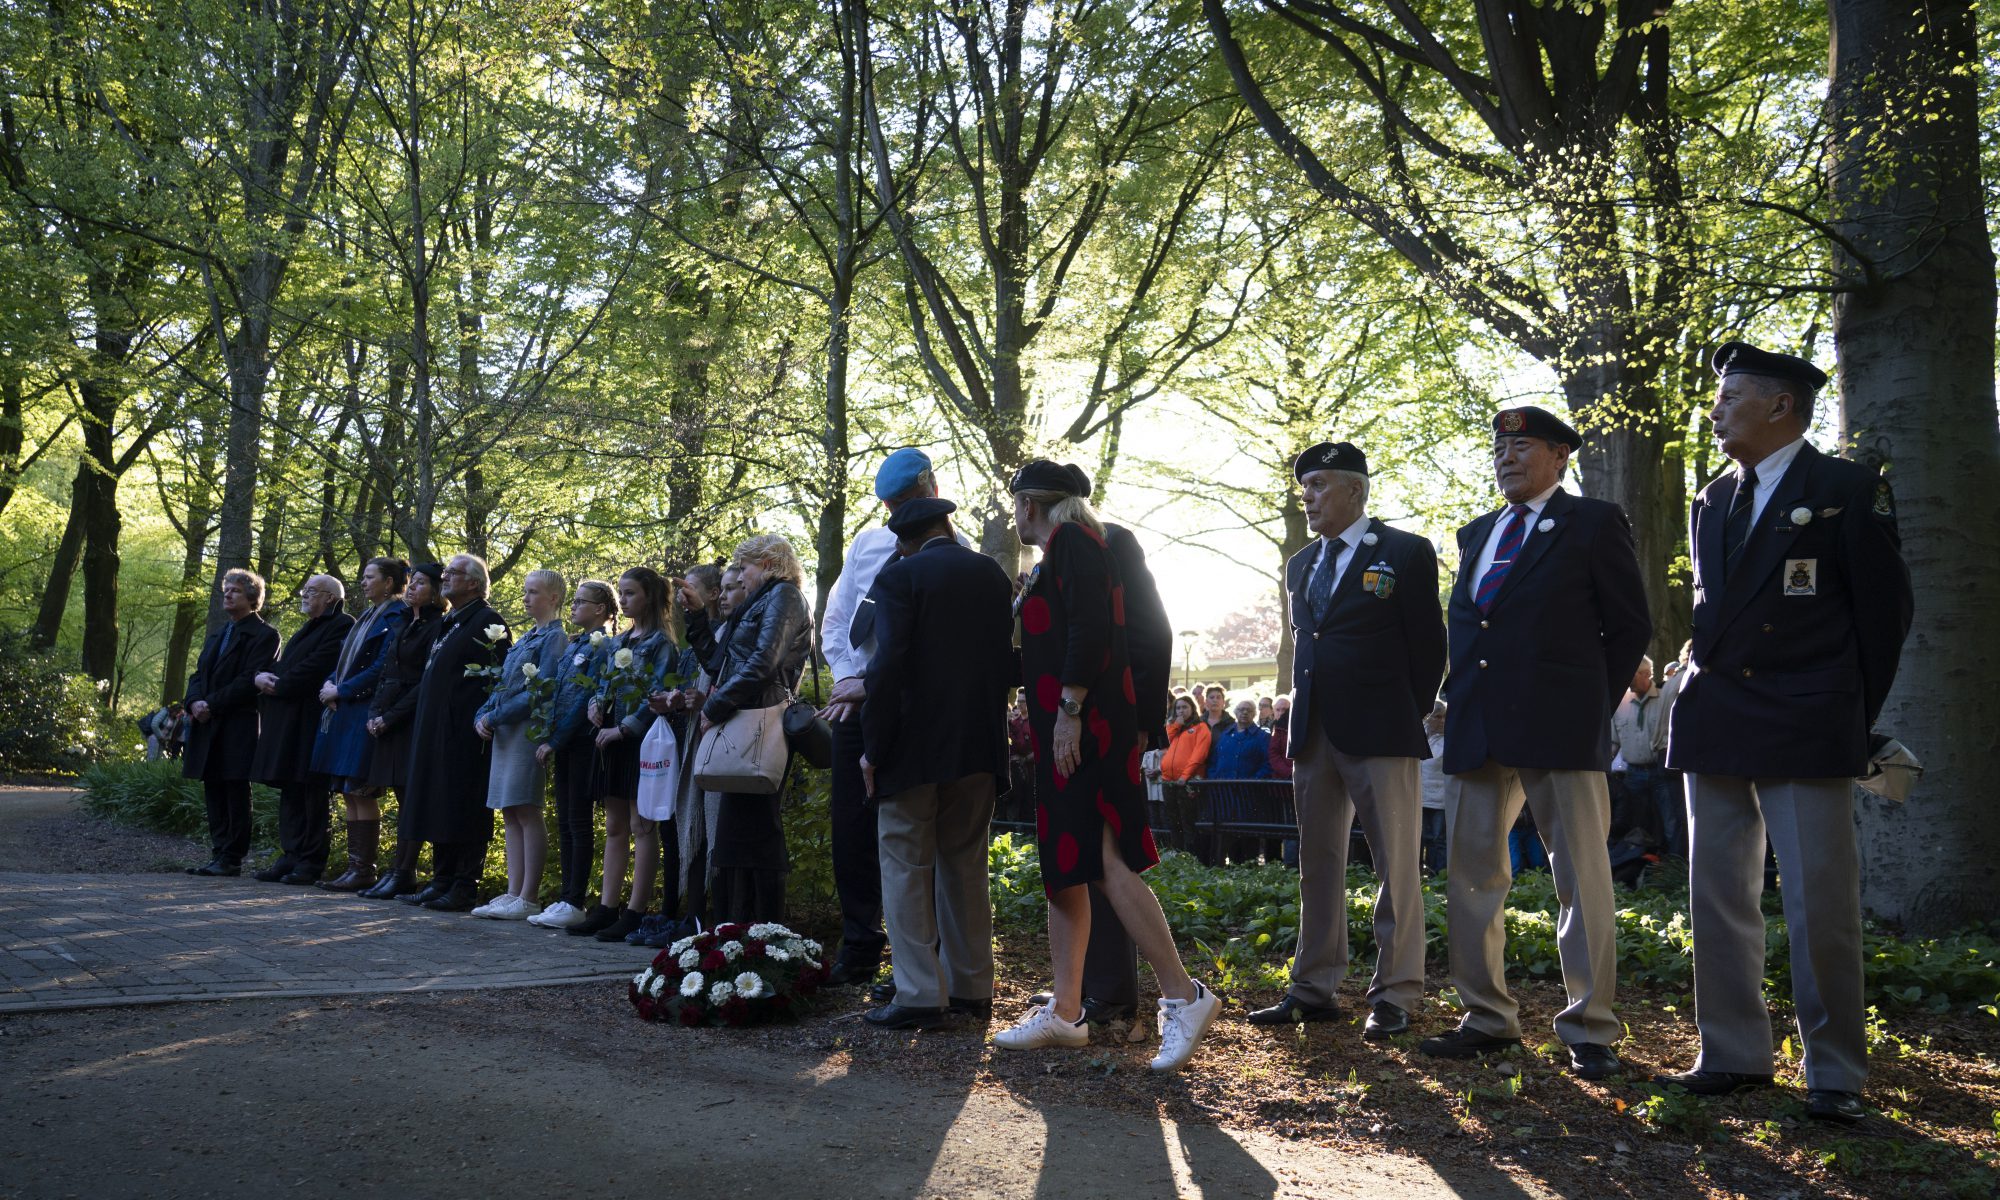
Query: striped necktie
[
  {"x": 1511, "y": 537},
  {"x": 1319, "y": 593}
]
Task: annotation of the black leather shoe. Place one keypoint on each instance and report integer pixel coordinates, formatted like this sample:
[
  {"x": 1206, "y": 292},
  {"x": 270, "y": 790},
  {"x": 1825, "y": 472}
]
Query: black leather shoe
[
  {"x": 1712, "y": 1083},
  {"x": 460, "y": 898},
  {"x": 1095, "y": 1011},
  {"x": 425, "y": 894},
  {"x": 848, "y": 972},
  {"x": 275, "y": 873},
  {"x": 1588, "y": 1060},
  {"x": 217, "y": 867},
  {"x": 595, "y": 919},
  {"x": 627, "y": 921},
  {"x": 388, "y": 887},
  {"x": 1464, "y": 1043},
  {"x": 896, "y": 1016},
  {"x": 304, "y": 874},
  {"x": 1842, "y": 1108},
  {"x": 883, "y": 992},
  {"x": 1385, "y": 1021},
  {"x": 1294, "y": 1011},
  {"x": 980, "y": 1010}
]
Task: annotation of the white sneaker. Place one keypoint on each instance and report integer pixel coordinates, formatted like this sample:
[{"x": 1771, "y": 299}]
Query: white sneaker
[
  {"x": 560, "y": 915},
  {"x": 498, "y": 908},
  {"x": 1182, "y": 1024},
  {"x": 1042, "y": 1027},
  {"x": 522, "y": 910}
]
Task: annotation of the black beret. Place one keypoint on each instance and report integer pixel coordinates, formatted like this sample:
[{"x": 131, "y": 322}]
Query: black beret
[
  {"x": 1042, "y": 475},
  {"x": 1082, "y": 480},
  {"x": 1741, "y": 358},
  {"x": 914, "y": 516},
  {"x": 429, "y": 570},
  {"x": 1531, "y": 421},
  {"x": 1330, "y": 456}
]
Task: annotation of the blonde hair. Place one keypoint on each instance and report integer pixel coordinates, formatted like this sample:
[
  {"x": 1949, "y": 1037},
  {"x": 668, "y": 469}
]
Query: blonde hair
[
  {"x": 774, "y": 554},
  {"x": 1064, "y": 508},
  {"x": 544, "y": 574}
]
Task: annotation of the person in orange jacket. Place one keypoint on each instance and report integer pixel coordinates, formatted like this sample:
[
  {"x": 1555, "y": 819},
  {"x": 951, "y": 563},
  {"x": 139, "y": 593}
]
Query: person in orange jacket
[{"x": 1187, "y": 744}]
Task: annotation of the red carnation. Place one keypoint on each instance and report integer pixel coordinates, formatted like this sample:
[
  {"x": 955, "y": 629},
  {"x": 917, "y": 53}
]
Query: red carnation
[
  {"x": 726, "y": 932},
  {"x": 690, "y": 1015},
  {"x": 712, "y": 961}
]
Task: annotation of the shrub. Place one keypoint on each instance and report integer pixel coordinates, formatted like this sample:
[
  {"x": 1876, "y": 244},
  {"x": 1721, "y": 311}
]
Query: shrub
[
  {"x": 154, "y": 795},
  {"x": 52, "y": 717}
]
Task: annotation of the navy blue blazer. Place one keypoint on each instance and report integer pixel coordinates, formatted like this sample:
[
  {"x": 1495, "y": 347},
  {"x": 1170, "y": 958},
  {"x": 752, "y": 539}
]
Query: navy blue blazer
[
  {"x": 1369, "y": 673},
  {"x": 1795, "y": 651},
  {"x": 1534, "y": 682}
]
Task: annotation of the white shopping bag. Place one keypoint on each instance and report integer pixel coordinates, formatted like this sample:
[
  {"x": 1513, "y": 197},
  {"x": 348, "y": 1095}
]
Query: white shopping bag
[{"x": 659, "y": 771}]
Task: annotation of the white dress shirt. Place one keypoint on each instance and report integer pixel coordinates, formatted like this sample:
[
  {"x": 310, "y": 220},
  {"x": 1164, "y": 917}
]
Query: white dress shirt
[
  {"x": 1351, "y": 541},
  {"x": 1492, "y": 546},
  {"x": 872, "y": 549},
  {"x": 1770, "y": 473}
]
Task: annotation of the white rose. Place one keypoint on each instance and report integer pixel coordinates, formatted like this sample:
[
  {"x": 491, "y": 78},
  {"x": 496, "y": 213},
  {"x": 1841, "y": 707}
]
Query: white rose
[
  {"x": 749, "y": 985},
  {"x": 732, "y": 950},
  {"x": 659, "y": 985},
  {"x": 598, "y": 638},
  {"x": 722, "y": 991},
  {"x": 495, "y": 632},
  {"x": 623, "y": 658},
  {"x": 691, "y": 986},
  {"x": 530, "y": 670}
]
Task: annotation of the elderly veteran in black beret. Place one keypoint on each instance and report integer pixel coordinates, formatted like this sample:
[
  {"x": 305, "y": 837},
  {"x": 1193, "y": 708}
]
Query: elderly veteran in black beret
[
  {"x": 1801, "y": 605},
  {"x": 934, "y": 727},
  {"x": 289, "y": 711},
  {"x": 1363, "y": 603},
  {"x": 1548, "y": 621}
]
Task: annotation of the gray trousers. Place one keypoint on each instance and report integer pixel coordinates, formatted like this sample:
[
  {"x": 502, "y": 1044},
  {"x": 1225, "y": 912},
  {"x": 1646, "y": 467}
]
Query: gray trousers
[
  {"x": 936, "y": 907},
  {"x": 1810, "y": 823},
  {"x": 1573, "y": 812},
  {"x": 1330, "y": 788}
]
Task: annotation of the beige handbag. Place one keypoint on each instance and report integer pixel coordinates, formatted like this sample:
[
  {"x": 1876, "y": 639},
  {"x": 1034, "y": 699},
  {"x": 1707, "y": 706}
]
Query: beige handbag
[{"x": 746, "y": 753}]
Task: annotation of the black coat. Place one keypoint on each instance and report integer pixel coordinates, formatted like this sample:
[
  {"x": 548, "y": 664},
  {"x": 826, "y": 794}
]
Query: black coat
[
  {"x": 757, "y": 660},
  {"x": 1149, "y": 635},
  {"x": 223, "y": 747},
  {"x": 1533, "y": 684},
  {"x": 1369, "y": 673},
  {"x": 395, "y": 699},
  {"x": 1795, "y": 652},
  {"x": 446, "y": 789},
  {"x": 289, "y": 717},
  {"x": 943, "y": 665}
]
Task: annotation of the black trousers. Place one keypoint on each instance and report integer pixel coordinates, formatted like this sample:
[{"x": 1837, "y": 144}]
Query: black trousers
[
  {"x": 228, "y": 804},
  {"x": 1110, "y": 960},
  {"x": 303, "y": 822},
  {"x": 670, "y": 868},
  {"x": 576, "y": 830},
  {"x": 458, "y": 862},
  {"x": 748, "y": 895},
  {"x": 857, "y": 856}
]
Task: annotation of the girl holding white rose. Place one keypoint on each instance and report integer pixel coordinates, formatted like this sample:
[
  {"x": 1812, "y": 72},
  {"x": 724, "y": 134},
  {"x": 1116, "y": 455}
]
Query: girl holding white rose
[
  {"x": 568, "y": 750},
  {"x": 516, "y": 779}
]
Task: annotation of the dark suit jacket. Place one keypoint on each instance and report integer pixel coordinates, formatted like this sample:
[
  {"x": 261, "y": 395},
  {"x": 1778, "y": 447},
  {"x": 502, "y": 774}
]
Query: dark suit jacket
[
  {"x": 1149, "y": 635},
  {"x": 1795, "y": 651},
  {"x": 222, "y": 747},
  {"x": 1369, "y": 673},
  {"x": 289, "y": 719},
  {"x": 1534, "y": 682},
  {"x": 943, "y": 665}
]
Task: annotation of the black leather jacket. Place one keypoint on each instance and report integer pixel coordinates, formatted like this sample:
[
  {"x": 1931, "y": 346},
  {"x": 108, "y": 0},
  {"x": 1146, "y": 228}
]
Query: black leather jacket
[{"x": 761, "y": 654}]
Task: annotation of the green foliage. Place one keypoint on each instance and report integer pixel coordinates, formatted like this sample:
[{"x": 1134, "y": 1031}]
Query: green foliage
[
  {"x": 156, "y": 796},
  {"x": 52, "y": 718},
  {"x": 1676, "y": 1112}
]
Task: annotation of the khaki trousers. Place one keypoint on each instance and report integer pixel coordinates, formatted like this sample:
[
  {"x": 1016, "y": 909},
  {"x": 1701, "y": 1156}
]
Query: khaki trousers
[
  {"x": 1330, "y": 789},
  {"x": 1810, "y": 823},
  {"x": 932, "y": 843},
  {"x": 1572, "y": 810}
]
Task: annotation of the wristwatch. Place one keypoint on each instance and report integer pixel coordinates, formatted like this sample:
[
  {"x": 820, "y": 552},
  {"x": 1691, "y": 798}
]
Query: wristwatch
[{"x": 1072, "y": 707}]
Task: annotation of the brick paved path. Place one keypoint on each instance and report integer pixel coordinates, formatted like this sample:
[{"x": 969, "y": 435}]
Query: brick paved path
[{"x": 83, "y": 941}]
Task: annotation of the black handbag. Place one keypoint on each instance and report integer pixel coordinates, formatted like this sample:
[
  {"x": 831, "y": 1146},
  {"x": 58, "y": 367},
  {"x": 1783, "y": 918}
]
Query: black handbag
[{"x": 806, "y": 732}]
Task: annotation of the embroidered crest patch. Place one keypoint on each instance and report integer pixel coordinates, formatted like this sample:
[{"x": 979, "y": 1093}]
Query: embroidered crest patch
[
  {"x": 1801, "y": 577},
  {"x": 1885, "y": 500},
  {"x": 1512, "y": 422},
  {"x": 1379, "y": 580}
]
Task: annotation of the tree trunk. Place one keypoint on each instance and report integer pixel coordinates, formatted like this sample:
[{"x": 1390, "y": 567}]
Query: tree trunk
[
  {"x": 193, "y": 598},
  {"x": 1915, "y": 351},
  {"x": 62, "y": 569},
  {"x": 1296, "y": 536}
]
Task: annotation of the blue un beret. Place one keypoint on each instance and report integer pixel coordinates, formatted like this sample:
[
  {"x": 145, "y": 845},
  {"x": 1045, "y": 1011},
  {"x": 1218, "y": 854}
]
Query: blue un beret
[
  {"x": 1741, "y": 358},
  {"x": 1531, "y": 421},
  {"x": 899, "y": 472}
]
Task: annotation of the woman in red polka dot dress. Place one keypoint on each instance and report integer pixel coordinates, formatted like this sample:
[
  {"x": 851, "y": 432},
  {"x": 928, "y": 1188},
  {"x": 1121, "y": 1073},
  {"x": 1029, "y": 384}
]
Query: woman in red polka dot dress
[{"x": 1090, "y": 798}]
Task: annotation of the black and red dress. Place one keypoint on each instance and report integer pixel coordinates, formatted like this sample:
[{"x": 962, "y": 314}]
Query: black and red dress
[{"x": 1073, "y": 632}]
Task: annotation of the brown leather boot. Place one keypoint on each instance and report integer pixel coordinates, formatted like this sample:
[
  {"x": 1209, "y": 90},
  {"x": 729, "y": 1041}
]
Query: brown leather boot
[{"x": 363, "y": 837}]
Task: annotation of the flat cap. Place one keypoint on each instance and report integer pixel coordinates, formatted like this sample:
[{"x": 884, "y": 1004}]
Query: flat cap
[
  {"x": 1530, "y": 420},
  {"x": 899, "y": 472},
  {"x": 1742, "y": 358},
  {"x": 913, "y": 516},
  {"x": 1041, "y": 475},
  {"x": 1330, "y": 456}
]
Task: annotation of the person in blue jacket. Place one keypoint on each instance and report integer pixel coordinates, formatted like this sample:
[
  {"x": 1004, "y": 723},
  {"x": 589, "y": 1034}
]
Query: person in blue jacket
[{"x": 1242, "y": 750}]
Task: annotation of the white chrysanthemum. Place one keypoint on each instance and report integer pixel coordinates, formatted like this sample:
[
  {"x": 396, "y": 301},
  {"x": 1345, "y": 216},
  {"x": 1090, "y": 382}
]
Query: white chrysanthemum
[
  {"x": 812, "y": 947},
  {"x": 765, "y": 931},
  {"x": 659, "y": 985},
  {"x": 732, "y": 950},
  {"x": 722, "y": 991},
  {"x": 623, "y": 658},
  {"x": 778, "y": 953},
  {"x": 530, "y": 670},
  {"x": 639, "y": 980},
  {"x": 688, "y": 959},
  {"x": 680, "y": 947},
  {"x": 749, "y": 985},
  {"x": 691, "y": 986}
]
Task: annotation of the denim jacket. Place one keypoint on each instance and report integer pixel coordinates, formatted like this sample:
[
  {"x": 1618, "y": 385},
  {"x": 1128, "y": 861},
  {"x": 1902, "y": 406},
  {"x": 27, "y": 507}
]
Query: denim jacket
[
  {"x": 509, "y": 703},
  {"x": 569, "y": 717},
  {"x": 657, "y": 657}
]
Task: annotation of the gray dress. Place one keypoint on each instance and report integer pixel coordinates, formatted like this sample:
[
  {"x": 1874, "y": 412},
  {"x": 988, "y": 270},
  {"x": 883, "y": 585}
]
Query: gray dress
[{"x": 515, "y": 777}]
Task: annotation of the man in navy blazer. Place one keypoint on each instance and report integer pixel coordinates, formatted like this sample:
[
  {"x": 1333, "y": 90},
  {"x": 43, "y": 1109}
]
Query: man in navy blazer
[
  {"x": 1802, "y": 602},
  {"x": 934, "y": 729},
  {"x": 222, "y": 716},
  {"x": 1548, "y": 621},
  {"x": 1370, "y": 649}
]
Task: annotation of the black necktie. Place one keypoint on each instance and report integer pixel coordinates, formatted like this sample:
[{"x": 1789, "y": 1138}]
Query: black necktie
[
  {"x": 1736, "y": 529},
  {"x": 1319, "y": 593}
]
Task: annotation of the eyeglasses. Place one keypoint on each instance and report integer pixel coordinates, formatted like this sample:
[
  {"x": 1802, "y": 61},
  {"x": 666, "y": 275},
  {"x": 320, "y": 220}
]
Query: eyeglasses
[{"x": 452, "y": 571}]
